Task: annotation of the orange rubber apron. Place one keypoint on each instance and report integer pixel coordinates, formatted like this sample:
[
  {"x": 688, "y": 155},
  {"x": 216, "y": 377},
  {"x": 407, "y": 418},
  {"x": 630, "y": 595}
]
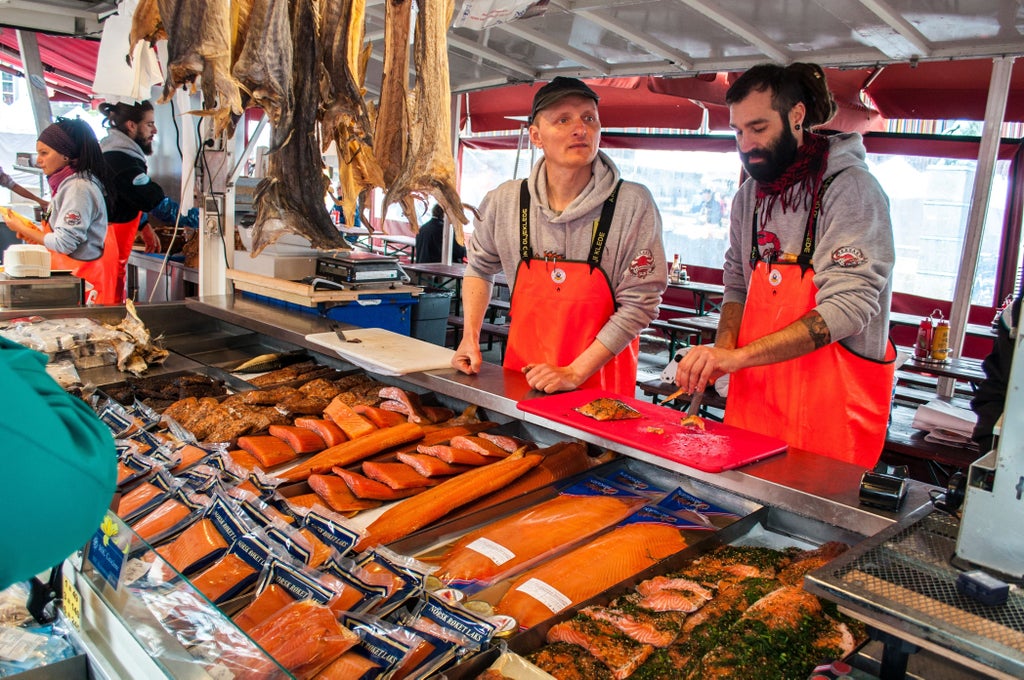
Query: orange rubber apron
[
  {"x": 100, "y": 274},
  {"x": 831, "y": 401},
  {"x": 559, "y": 306},
  {"x": 124, "y": 238}
]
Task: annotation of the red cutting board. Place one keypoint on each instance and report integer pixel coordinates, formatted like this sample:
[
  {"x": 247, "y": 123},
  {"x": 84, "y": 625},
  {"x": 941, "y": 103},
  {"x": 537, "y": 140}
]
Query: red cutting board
[{"x": 719, "y": 447}]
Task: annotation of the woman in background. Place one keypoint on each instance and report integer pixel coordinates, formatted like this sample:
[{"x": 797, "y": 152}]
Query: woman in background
[{"x": 75, "y": 228}]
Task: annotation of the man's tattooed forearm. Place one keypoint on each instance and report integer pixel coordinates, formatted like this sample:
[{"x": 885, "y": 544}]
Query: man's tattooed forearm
[{"x": 818, "y": 330}]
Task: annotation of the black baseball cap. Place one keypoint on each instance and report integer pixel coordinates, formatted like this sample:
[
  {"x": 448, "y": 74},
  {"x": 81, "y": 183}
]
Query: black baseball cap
[{"x": 558, "y": 88}]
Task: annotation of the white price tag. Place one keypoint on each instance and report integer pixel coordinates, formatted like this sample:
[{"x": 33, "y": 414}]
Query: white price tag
[
  {"x": 135, "y": 569},
  {"x": 550, "y": 597},
  {"x": 495, "y": 552}
]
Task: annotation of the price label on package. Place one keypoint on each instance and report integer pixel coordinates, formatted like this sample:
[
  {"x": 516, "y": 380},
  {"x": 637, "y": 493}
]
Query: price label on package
[
  {"x": 18, "y": 645},
  {"x": 72, "y": 604}
]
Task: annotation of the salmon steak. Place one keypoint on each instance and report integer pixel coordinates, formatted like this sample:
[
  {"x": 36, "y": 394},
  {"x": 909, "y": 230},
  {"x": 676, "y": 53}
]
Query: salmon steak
[
  {"x": 662, "y": 594},
  {"x": 606, "y": 408},
  {"x": 620, "y": 653},
  {"x": 659, "y": 629}
]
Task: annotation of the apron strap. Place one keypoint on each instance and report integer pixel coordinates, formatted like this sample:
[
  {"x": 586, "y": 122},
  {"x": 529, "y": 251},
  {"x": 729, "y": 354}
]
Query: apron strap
[
  {"x": 810, "y": 233},
  {"x": 597, "y": 240}
]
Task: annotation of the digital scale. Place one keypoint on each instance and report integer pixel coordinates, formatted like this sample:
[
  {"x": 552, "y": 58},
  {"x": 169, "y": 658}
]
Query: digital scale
[{"x": 359, "y": 267}]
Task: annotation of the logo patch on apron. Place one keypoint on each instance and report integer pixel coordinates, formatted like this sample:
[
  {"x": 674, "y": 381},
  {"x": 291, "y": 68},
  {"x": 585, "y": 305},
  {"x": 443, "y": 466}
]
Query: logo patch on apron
[
  {"x": 775, "y": 277},
  {"x": 558, "y": 275}
]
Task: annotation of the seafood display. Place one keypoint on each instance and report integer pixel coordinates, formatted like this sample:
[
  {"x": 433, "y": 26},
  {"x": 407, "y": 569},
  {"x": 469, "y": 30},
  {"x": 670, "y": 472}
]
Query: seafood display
[{"x": 727, "y": 614}]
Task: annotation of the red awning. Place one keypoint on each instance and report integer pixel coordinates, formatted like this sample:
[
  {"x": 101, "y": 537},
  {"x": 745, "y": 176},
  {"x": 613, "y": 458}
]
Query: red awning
[
  {"x": 69, "y": 64},
  {"x": 621, "y": 98}
]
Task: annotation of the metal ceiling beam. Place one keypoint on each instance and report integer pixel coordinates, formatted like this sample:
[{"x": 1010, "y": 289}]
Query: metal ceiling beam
[
  {"x": 894, "y": 20},
  {"x": 493, "y": 56},
  {"x": 680, "y": 60},
  {"x": 570, "y": 53},
  {"x": 737, "y": 26}
]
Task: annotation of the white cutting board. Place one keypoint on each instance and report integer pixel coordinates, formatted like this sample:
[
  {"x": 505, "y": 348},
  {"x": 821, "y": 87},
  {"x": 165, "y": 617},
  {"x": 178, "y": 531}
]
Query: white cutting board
[{"x": 385, "y": 352}]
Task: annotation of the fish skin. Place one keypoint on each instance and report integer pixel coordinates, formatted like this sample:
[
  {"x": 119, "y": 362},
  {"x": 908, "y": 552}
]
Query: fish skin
[
  {"x": 428, "y": 166},
  {"x": 290, "y": 199},
  {"x": 263, "y": 66},
  {"x": 199, "y": 46},
  {"x": 146, "y": 25}
]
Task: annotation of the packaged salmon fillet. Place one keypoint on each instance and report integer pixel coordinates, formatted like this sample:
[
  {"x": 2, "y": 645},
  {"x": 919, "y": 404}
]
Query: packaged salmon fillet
[
  {"x": 452, "y": 631},
  {"x": 403, "y": 577},
  {"x": 147, "y": 496},
  {"x": 331, "y": 528},
  {"x": 681, "y": 502},
  {"x": 304, "y": 637},
  {"x": 132, "y": 464},
  {"x": 207, "y": 539},
  {"x": 122, "y": 421},
  {"x": 353, "y": 594},
  {"x": 392, "y": 646},
  {"x": 281, "y": 583},
  {"x": 237, "y": 570},
  {"x": 513, "y": 543},
  {"x": 179, "y": 509}
]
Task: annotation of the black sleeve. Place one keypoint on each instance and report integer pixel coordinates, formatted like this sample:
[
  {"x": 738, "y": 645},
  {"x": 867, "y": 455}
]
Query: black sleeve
[
  {"x": 991, "y": 395},
  {"x": 130, "y": 197}
]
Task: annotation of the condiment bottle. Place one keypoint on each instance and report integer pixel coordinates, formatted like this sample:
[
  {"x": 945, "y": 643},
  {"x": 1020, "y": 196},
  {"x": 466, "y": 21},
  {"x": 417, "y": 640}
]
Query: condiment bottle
[
  {"x": 674, "y": 272},
  {"x": 940, "y": 341},
  {"x": 923, "y": 346}
]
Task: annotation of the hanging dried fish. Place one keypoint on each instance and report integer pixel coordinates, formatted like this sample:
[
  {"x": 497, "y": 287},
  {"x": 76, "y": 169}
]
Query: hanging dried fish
[
  {"x": 264, "y": 64},
  {"x": 345, "y": 119},
  {"x": 199, "y": 46},
  {"x": 146, "y": 25},
  {"x": 391, "y": 134},
  {"x": 429, "y": 166},
  {"x": 291, "y": 198}
]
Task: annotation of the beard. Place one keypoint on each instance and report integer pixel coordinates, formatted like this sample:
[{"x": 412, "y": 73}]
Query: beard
[
  {"x": 774, "y": 160},
  {"x": 145, "y": 145}
]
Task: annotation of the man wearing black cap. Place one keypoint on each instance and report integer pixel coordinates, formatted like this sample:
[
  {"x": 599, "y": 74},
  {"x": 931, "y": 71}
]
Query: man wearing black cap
[{"x": 582, "y": 251}]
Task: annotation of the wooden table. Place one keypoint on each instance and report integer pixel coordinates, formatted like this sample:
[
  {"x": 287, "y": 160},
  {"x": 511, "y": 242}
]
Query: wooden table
[
  {"x": 708, "y": 296},
  {"x": 705, "y": 325},
  {"x": 959, "y": 368}
]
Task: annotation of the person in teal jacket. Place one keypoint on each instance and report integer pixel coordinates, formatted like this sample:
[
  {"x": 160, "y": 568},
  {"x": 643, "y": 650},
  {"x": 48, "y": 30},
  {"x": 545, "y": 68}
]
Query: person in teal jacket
[{"x": 58, "y": 467}]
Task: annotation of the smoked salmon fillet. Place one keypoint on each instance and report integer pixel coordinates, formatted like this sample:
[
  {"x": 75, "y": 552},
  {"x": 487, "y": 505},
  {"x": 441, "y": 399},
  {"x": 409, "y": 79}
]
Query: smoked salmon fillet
[
  {"x": 245, "y": 460},
  {"x": 222, "y": 576},
  {"x": 136, "y": 498},
  {"x": 354, "y": 451},
  {"x": 407, "y": 403},
  {"x": 621, "y": 654},
  {"x": 337, "y": 495},
  {"x": 269, "y": 451},
  {"x": 434, "y": 434},
  {"x": 163, "y": 517},
  {"x": 301, "y": 439},
  {"x": 589, "y": 569},
  {"x": 303, "y": 637},
  {"x": 505, "y": 545},
  {"x": 189, "y": 455},
  {"x": 198, "y": 543},
  {"x": 328, "y": 431},
  {"x": 415, "y": 513},
  {"x": 380, "y": 417},
  {"x": 266, "y": 604},
  {"x": 306, "y": 500},
  {"x": 506, "y": 442},
  {"x": 431, "y": 466},
  {"x": 450, "y": 454},
  {"x": 396, "y": 475},
  {"x": 350, "y": 422},
  {"x": 561, "y": 461},
  {"x": 364, "y": 487},
  {"x": 479, "y": 445}
]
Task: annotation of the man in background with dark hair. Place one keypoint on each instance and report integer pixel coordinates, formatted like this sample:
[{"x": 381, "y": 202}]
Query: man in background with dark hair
[
  {"x": 808, "y": 276},
  {"x": 430, "y": 240},
  {"x": 990, "y": 398},
  {"x": 131, "y": 128}
]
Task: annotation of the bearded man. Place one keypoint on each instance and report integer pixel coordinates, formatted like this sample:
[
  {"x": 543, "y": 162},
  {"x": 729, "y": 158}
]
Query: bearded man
[
  {"x": 804, "y": 330},
  {"x": 131, "y": 128}
]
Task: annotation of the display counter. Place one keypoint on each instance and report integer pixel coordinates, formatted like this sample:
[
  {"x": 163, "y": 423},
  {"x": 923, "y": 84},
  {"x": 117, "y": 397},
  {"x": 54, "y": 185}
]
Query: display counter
[
  {"x": 150, "y": 279},
  {"x": 803, "y": 495}
]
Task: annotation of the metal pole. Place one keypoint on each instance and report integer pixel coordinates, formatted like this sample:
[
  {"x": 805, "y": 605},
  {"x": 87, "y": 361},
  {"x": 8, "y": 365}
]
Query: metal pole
[
  {"x": 1002, "y": 68},
  {"x": 28, "y": 45}
]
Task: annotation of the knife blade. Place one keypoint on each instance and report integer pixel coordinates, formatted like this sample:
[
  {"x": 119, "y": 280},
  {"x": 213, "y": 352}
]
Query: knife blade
[
  {"x": 341, "y": 334},
  {"x": 695, "y": 400},
  {"x": 675, "y": 395}
]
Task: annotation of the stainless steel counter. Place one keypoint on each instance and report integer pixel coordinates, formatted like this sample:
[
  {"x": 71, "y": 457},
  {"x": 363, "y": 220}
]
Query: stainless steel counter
[{"x": 802, "y": 483}]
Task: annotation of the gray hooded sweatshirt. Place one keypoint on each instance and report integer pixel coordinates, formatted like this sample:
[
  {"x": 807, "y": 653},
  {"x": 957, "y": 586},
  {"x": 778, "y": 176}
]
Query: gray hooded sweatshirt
[
  {"x": 854, "y": 255},
  {"x": 634, "y": 256}
]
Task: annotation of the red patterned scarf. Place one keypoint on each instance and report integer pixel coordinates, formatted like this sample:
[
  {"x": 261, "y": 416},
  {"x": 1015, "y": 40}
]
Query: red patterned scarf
[{"x": 796, "y": 186}]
